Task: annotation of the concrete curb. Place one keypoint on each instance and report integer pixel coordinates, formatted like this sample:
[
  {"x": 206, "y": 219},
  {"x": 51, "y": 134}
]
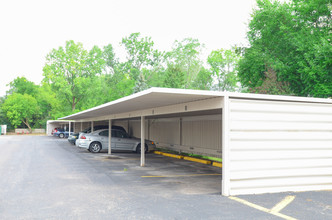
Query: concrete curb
[
  {"x": 208, "y": 162},
  {"x": 197, "y": 160}
]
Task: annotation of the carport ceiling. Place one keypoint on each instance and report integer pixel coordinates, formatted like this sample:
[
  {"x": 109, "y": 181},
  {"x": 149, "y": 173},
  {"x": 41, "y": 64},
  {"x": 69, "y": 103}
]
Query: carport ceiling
[{"x": 151, "y": 98}]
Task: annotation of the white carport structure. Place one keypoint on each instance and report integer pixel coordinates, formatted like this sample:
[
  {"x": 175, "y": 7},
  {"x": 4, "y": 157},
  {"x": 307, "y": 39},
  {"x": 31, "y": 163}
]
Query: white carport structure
[{"x": 268, "y": 143}]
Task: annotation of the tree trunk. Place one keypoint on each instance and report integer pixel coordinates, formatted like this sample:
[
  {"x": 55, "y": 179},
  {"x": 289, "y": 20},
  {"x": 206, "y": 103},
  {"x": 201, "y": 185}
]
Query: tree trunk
[
  {"x": 73, "y": 104},
  {"x": 26, "y": 122}
]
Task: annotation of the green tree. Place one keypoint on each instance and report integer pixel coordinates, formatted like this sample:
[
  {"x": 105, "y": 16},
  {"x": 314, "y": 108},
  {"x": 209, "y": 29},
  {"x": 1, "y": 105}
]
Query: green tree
[
  {"x": 110, "y": 59},
  {"x": 23, "y": 86},
  {"x": 271, "y": 85},
  {"x": 185, "y": 54},
  {"x": 174, "y": 77},
  {"x": 48, "y": 105},
  {"x": 203, "y": 80},
  {"x": 120, "y": 85},
  {"x": 70, "y": 71},
  {"x": 20, "y": 108},
  {"x": 3, "y": 117},
  {"x": 292, "y": 39},
  {"x": 143, "y": 61},
  {"x": 224, "y": 67}
]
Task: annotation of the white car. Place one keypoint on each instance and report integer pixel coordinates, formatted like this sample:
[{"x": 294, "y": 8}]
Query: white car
[{"x": 121, "y": 141}]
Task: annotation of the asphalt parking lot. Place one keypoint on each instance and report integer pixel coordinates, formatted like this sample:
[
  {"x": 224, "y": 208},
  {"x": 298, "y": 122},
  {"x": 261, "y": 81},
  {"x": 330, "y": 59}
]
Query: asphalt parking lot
[{"x": 48, "y": 178}]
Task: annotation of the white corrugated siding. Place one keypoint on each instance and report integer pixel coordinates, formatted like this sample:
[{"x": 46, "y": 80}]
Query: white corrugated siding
[
  {"x": 200, "y": 135},
  {"x": 135, "y": 128},
  {"x": 203, "y": 133},
  {"x": 165, "y": 130},
  {"x": 279, "y": 146}
]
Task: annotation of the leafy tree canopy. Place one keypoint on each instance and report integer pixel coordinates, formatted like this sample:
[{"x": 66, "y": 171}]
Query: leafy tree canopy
[
  {"x": 223, "y": 66},
  {"x": 71, "y": 70},
  {"x": 294, "y": 40},
  {"x": 186, "y": 55},
  {"x": 20, "y": 108},
  {"x": 143, "y": 61},
  {"x": 23, "y": 86}
]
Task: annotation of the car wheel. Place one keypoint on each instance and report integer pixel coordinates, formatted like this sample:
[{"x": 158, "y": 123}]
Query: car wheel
[
  {"x": 95, "y": 147},
  {"x": 61, "y": 135},
  {"x": 138, "y": 148}
]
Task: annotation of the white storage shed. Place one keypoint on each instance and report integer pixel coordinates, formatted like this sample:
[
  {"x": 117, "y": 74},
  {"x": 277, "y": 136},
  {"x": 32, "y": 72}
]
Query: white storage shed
[{"x": 267, "y": 143}]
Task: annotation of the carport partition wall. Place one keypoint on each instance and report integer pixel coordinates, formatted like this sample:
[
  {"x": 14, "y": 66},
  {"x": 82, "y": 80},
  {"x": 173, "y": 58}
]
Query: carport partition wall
[{"x": 268, "y": 143}]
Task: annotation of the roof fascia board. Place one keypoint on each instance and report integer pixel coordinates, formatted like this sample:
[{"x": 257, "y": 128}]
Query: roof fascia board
[
  {"x": 110, "y": 103},
  {"x": 59, "y": 121},
  {"x": 148, "y": 91},
  {"x": 201, "y": 105},
  {"x": 278, "y": 97}
]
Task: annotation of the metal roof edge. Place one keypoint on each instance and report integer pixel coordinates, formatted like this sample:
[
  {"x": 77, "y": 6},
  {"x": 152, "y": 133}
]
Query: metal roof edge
[
  {"x": 279, "y": 97},
  {"x": 54, "y": 121},
  {"x": 135, "y": 95},
  {"x": 148, "y": 91},
  {"x": 207, "y": 93}
]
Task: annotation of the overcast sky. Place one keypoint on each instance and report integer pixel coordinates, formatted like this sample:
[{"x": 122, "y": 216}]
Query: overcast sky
[{"x": 29, "y": 30}]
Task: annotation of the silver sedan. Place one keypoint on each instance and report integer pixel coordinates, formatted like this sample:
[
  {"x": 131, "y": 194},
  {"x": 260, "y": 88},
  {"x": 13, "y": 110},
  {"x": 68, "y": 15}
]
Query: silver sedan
[{"x": 98, "y": 141}]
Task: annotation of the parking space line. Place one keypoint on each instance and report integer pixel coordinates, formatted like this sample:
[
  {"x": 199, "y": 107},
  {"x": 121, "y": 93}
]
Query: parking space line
[
  {"x": 186, "y": 175},
  {"x": 283, "y": 204},
  {"x": 270, "y": 211},
  {"x": 118, "y": 159}
]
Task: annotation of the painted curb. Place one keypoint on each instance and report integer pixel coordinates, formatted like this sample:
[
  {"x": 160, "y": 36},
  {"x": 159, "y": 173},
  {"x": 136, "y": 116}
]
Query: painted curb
[
  {"x": 173, "y": 155},
  {"x": 217, "y": 164},
  {"x": 197, "y": 160}
]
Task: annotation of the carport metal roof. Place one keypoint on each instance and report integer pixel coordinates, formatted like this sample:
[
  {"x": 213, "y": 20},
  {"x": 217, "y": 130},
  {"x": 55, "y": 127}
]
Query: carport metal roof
[
  {"x": 151, "y": 98},
  {"x": 161, "y": 97}
]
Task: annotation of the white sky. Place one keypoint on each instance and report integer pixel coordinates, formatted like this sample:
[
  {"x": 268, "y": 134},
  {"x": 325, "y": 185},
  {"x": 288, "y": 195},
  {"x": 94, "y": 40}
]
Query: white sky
[{"x": 29, "y": 30}]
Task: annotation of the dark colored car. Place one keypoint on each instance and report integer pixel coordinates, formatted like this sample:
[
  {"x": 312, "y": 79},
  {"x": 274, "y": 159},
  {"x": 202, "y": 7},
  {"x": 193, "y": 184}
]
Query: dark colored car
[
  {"x": 74, "y": 136},
  {"x": 60, "y": 132}
]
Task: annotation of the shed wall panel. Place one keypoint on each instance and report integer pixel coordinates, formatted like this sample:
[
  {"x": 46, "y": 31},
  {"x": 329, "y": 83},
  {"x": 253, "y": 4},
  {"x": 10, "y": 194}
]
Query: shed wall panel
[
  {"x": 165, "y": 130},
  {"x": 203, "y": 133},
  {"x": 198, "y": 135},
  {"x": 85, "y": 125},
  {"x": 135, "y": 128},
  {"x": 279, "y": 146},
  {"x": 77, "y": 127}
]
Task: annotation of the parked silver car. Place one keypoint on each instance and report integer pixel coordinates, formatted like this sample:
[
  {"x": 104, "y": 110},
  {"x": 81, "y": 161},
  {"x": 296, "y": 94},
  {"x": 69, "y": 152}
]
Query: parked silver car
[{"x": 121, "y": 141}]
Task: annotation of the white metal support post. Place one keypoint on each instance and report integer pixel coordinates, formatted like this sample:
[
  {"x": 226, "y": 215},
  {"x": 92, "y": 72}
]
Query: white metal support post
[
  {"x": 91, "y": 126},
  {"x": 128, "y": 126},
  {"x": 180, "y": 133},
  {"x": 142, "y": 141},
  {"x": 109, "y": 136},
  {"x": 81, "y": 126},
  {"x": 69, "y": 128},
  {"x": 225, "y": 185}
]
